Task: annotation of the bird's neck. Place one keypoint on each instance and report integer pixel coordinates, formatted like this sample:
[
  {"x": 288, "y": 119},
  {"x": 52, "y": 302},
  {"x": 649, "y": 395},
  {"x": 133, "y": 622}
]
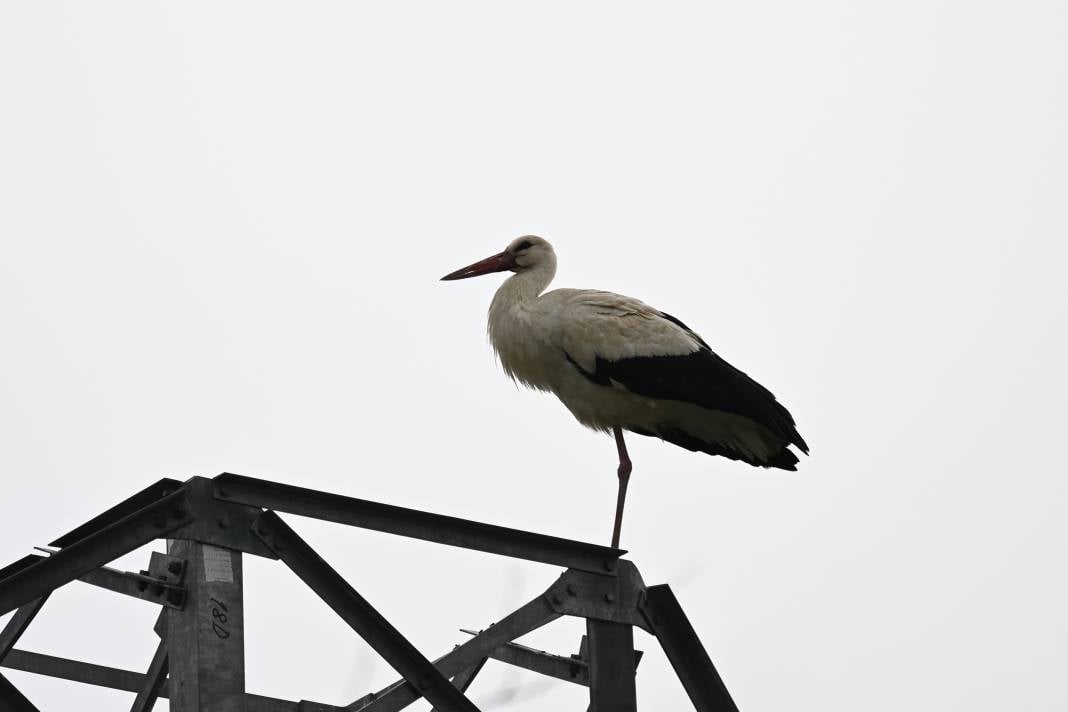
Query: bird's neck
[{"x": 524, "y": 286}]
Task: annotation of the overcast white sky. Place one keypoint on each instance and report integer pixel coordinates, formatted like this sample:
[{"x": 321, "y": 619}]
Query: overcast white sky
[{"x": 223, "y": 226}]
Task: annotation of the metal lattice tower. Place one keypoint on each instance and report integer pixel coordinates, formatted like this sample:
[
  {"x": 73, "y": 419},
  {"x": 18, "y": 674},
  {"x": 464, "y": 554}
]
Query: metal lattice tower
[{"x": 210, "y": 524}]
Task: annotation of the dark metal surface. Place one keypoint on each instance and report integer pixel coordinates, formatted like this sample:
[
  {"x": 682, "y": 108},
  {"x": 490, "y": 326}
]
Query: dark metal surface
[
  {"x": 128, "y": 680},
  {"x": 221, "y": 523},
  {"x": 210, "y": 523},
  {"x": 586, "y": 595},
  {"x": 94, "y": 551},
  {"x": 529, "y": 617},
  {"x": 154, "y": 679},
  {"x": 360, "y": 615},
  {"x": 562, "y": 667},
  {"x": 12, "y": 700},
  {"x": 18, "y": 624},
  {"x": 462, "y": 680},
  {"x": 150, "y": 494},
  {"x": 683, "y": 648},
  {"x": 143, "y": 587},
  {"x": 23, "y": 563},
  {"x": 74, "y": 670},
  {"x": 611, "y": 650},
  {"x": 207, "y": 638},
  {"x": 416, "y": 524}
]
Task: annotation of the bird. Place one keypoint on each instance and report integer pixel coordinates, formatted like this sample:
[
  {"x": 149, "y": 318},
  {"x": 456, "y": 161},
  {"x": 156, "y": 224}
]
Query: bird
[{"x": 619, "y": 365}]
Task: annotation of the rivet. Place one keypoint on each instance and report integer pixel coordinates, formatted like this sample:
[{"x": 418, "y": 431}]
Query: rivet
[
  {"x": 609, "y": 598},
  {"x": 223, "y": 522},
  {"x": 223, "y": 492},
  {"x": 556, "y": 599},
  {"x": 609, "y": 564},
  {"x": 571, "y": 590}
]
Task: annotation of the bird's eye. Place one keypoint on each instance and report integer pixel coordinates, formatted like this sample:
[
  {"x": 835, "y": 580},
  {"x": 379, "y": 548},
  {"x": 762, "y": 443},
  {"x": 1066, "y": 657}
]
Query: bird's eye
[{"x": 523, "y": 245}]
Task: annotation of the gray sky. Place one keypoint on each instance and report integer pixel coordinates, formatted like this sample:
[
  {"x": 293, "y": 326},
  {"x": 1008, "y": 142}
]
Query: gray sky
[{"x": 223, "y": 225}]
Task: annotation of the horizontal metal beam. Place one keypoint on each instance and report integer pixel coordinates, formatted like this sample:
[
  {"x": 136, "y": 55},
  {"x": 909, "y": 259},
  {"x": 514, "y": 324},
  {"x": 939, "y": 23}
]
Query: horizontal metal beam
[
  {"x": 683, "y": 648},
  {"x": 361, "y": 616},
  {"x": 95, "y": 550},
  {"x": 118, "y": 679},
  {"x": 143, "y": 587},
  {"x": 74, "y": 670},
  {"x": 569, "y": 669},
  {"x": 417, "y": 524}
]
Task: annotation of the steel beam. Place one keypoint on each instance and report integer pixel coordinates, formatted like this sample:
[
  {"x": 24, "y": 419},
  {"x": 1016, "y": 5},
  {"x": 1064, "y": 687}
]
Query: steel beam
[
  {"x": 95, "y": 550},
  {"x": 585, "y": 595},
  {"x": 529, "y": 617},
  {"x": 611, "y": 649},
  {"x": 146, "y": 588},
  {"x": 683, "y": 648},
  {"x": 18, "y": 625},
  {"x": 462, "y": 680},
  {"x": 360, "y": 615},
  {"x": 153, "y": 493},
  {"x": 567, "y": 668},
  {"x": 12, "y": 700},
  {"x": 154, "y": 679},
  {"x": 206, "y": 639},
  {"x": 16, "y": 566},
  {"x": 417, "y": 524},
  {"x": 127, "y": 680},
  {"x": 73, "y": 670},
  {"x": 221, "y": 523}
]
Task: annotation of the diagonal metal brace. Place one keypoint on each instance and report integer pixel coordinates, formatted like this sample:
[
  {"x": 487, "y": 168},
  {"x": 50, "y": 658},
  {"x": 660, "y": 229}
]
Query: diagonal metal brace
[
  {"x": 95, "y": 550},
  {"x": 528, "y": 617},
  {"x": 360, "y": 615},
  {"x": 18, "y": 625},
  {"x": 683, "y": 648},
  {"x": 12, "y": 699}
]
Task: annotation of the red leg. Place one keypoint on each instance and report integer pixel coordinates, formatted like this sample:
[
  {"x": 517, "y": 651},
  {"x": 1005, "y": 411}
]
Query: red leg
[{"x": 624, "y": 477}]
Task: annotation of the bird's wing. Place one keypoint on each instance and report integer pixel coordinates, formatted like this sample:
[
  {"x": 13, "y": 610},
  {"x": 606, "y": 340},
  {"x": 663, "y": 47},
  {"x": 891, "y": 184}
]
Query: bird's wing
[
  {"x": 618, "y": 341},
  {"x": 590, "y": 324}
]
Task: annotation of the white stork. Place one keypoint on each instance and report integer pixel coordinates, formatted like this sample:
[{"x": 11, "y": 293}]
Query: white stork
[{"x": 619, "y": 364}]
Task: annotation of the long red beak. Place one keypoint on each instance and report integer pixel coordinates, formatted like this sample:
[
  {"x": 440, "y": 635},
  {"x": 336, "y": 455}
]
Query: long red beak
[{"x": 497, "y": 263}]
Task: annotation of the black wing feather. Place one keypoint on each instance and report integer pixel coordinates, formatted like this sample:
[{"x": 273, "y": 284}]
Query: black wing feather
[{"x": 701, "y": 378}]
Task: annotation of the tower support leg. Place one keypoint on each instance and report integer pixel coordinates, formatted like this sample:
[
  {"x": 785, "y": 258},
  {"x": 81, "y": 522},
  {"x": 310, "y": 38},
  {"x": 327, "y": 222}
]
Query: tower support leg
[
  {"x": 611, "y": 651},
  {"x": 206, "y": 639}
]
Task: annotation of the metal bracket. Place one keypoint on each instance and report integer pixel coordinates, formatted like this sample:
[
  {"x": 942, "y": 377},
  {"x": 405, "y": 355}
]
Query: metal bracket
[
  {"x": 607, "y": 598},
  {"x": 221, "y": 523}
]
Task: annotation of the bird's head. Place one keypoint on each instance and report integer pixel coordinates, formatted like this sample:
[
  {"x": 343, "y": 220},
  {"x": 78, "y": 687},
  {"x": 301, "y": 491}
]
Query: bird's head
[{"x": 524, "y": 253}]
